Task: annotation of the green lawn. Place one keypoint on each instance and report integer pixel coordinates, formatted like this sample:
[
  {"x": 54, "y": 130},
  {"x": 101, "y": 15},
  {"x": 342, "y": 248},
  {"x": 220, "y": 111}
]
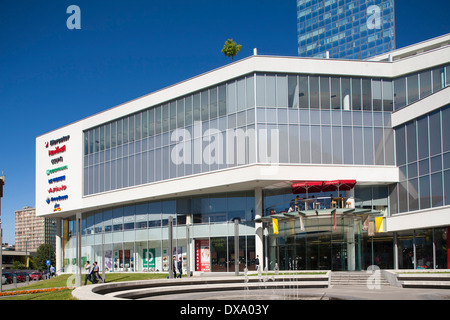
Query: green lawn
[{"x": 61, "y": 281}]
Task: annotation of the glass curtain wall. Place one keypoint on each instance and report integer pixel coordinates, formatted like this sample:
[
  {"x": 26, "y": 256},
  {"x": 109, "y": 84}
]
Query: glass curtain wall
[
  {"x": 324, "y": 244},
  {"x": 349, "y": 246},
  {"x": 316, "y": 116},
  {"x": 413, "y": 87},
  {"x": 168, "y": 140},
  {"x": 345, "y": 29},
  {"x": 423, "y": 155},
  {"x": 218, "y": 127},
  {"x": 135, "y": 237}
]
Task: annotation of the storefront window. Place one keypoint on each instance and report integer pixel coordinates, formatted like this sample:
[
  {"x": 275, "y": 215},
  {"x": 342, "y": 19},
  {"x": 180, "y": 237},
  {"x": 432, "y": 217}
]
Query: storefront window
[
  {"x": 442, "y": 244},
  {"x": 405, "y": 250},
  {"x": 423, "y": 240}
]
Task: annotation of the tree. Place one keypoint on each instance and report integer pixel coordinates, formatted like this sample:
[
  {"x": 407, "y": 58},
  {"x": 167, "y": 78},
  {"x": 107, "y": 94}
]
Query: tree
[
  {"x": 231, "y": 49},
  {"x": 44, "y": 252},
  {"x": 18, "y": 265}
]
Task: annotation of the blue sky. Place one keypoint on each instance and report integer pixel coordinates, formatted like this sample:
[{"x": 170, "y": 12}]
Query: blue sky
[{"x": 51, "y": 76}]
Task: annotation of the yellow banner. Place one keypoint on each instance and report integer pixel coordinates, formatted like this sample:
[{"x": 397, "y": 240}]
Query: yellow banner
[
  {"x": 275, "y": 225},
  {"x": 379, "y": 226}
]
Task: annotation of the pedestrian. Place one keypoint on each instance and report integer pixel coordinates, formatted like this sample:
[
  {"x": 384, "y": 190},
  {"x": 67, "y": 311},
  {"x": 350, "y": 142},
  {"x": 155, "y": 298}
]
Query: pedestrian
[
  {"x": 87, "y": 268},
  {"x": 52, "y": 271},
  {"x": 95, "y": 273},
  {"x": 180, "y": 267},
  {"x": 174, "y": 267},
  {"x": 257, "y": 262}
]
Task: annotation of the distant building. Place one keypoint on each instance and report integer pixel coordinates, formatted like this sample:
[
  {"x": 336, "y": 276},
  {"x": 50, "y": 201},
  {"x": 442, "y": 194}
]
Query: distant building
[
  {"x": 32, "y": 231},
  {"x": 345, "y": 29}
]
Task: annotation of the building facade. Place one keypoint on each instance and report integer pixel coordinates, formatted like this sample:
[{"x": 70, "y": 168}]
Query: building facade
[
  {"x": 346, "y": 29},
  {"x": 33, "y": 230},
  {"x": 325, "y": 164}
]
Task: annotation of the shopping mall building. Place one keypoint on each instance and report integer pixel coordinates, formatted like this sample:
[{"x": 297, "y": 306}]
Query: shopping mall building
[{"x": 324, "y": 164}]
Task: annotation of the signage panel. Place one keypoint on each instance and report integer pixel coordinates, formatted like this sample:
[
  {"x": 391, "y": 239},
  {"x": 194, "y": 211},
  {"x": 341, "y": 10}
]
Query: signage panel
[{"x": 202, "y": 255}]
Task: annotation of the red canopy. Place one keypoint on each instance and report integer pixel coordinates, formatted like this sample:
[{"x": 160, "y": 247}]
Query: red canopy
[
  {"x": 322, "y": 186},
  {"x": 307, "y": 186},
  {"x": 341, "y": 185}
]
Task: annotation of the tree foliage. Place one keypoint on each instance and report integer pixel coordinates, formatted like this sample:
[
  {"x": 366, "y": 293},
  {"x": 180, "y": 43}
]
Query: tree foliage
[
  {"x": 231, "y": 48},
  {"x": 44, "y": 252}
]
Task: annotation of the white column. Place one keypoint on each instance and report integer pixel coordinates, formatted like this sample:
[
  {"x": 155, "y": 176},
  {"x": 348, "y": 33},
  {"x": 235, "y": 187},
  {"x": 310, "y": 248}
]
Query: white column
[
  {"x": 259, "y": 239},
  {"x": 58, "y": 247},
  {"x": 78, "y": 250},
  {"x": 351, "y": 246}
]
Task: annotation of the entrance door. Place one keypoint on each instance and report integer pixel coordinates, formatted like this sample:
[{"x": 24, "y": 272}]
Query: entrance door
[
  {"x": 287, "y": 257},
  {"x": 339, "y": 254}
]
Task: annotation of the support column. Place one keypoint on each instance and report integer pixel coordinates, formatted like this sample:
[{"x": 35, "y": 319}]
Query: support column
[
  {"x": 259, "y": 237},
  {"x": 171, "y": 262},
  {"x": 190, "y": 254},
  {"x": 78, "y": 250},
  {"x": 58, "y": 247},
  {"x": 236, "y": 247},
  {"x": 395, "y": 251},
  {"x": 448, "y": 247},
  {"x": 188, "y": 249},
  {"x": 351, "y": 262}
]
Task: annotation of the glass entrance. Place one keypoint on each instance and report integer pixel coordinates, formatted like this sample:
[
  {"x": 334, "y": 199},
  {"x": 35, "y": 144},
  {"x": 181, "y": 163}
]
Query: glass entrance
[
  {"x": 323, "y": 245},
  {"x": 287, "y": 257},
  {"x": 318, "y": 254}
]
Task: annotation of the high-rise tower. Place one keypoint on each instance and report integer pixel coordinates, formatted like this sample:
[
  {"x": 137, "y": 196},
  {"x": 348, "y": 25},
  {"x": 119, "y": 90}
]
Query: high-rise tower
[{"x": 346, "y": 29}]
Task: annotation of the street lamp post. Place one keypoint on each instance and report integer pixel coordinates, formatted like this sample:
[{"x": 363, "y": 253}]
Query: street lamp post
[
  {"x": 1, "y": 254},
  {"x": 2, "y": 182},
  {"x": 170, "y": 229}
]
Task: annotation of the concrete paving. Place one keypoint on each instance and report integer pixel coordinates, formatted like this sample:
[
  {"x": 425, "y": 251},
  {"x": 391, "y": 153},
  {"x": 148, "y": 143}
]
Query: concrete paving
[
  {"x": 332, "y": 293},
  {"x": 224, "y": 288}
]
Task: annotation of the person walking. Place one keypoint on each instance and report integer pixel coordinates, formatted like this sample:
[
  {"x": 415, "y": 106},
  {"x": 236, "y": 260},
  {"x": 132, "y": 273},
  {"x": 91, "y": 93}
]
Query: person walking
[
  {"x": 52, "y": 271},
  {"x": 180, "y": 267},
  {"x": 87, "y": 268},
  {"x": 174, "y": 267},
  {"x": 95, "y": 273}
]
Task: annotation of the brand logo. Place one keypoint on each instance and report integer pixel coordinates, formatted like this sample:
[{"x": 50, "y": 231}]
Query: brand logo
[
  {"x": 56, "y": 189},
  {"x": 57, "y": 160},
  {"x": 60, "y": 140},
  {"x": 50, "y": 171},
  {"x": 57, "y": 150},
  {"x": 58, "y": 179},
  {"x": 54, "y": 199}
]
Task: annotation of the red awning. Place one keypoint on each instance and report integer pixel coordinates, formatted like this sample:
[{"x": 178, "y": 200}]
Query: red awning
[
  {"x": 341, "y": 185},
  {"x": 307, "y": 186}
]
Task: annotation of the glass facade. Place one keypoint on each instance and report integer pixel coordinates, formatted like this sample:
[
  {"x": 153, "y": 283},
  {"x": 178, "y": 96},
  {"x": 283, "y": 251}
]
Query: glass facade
[
  {"x": 413, "y": 87},
  {"x": 139, "y": 148},
  {"x": 350, "y": 29},
  {"x": 423, "y": 155},
  {"x": 311, "y": 119},
  {"x": 321, "y": 246},
  {"x": 349, "y": 245},
  {"x": 324, "y": 119},
  {"x": 124, "y": 235}
]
